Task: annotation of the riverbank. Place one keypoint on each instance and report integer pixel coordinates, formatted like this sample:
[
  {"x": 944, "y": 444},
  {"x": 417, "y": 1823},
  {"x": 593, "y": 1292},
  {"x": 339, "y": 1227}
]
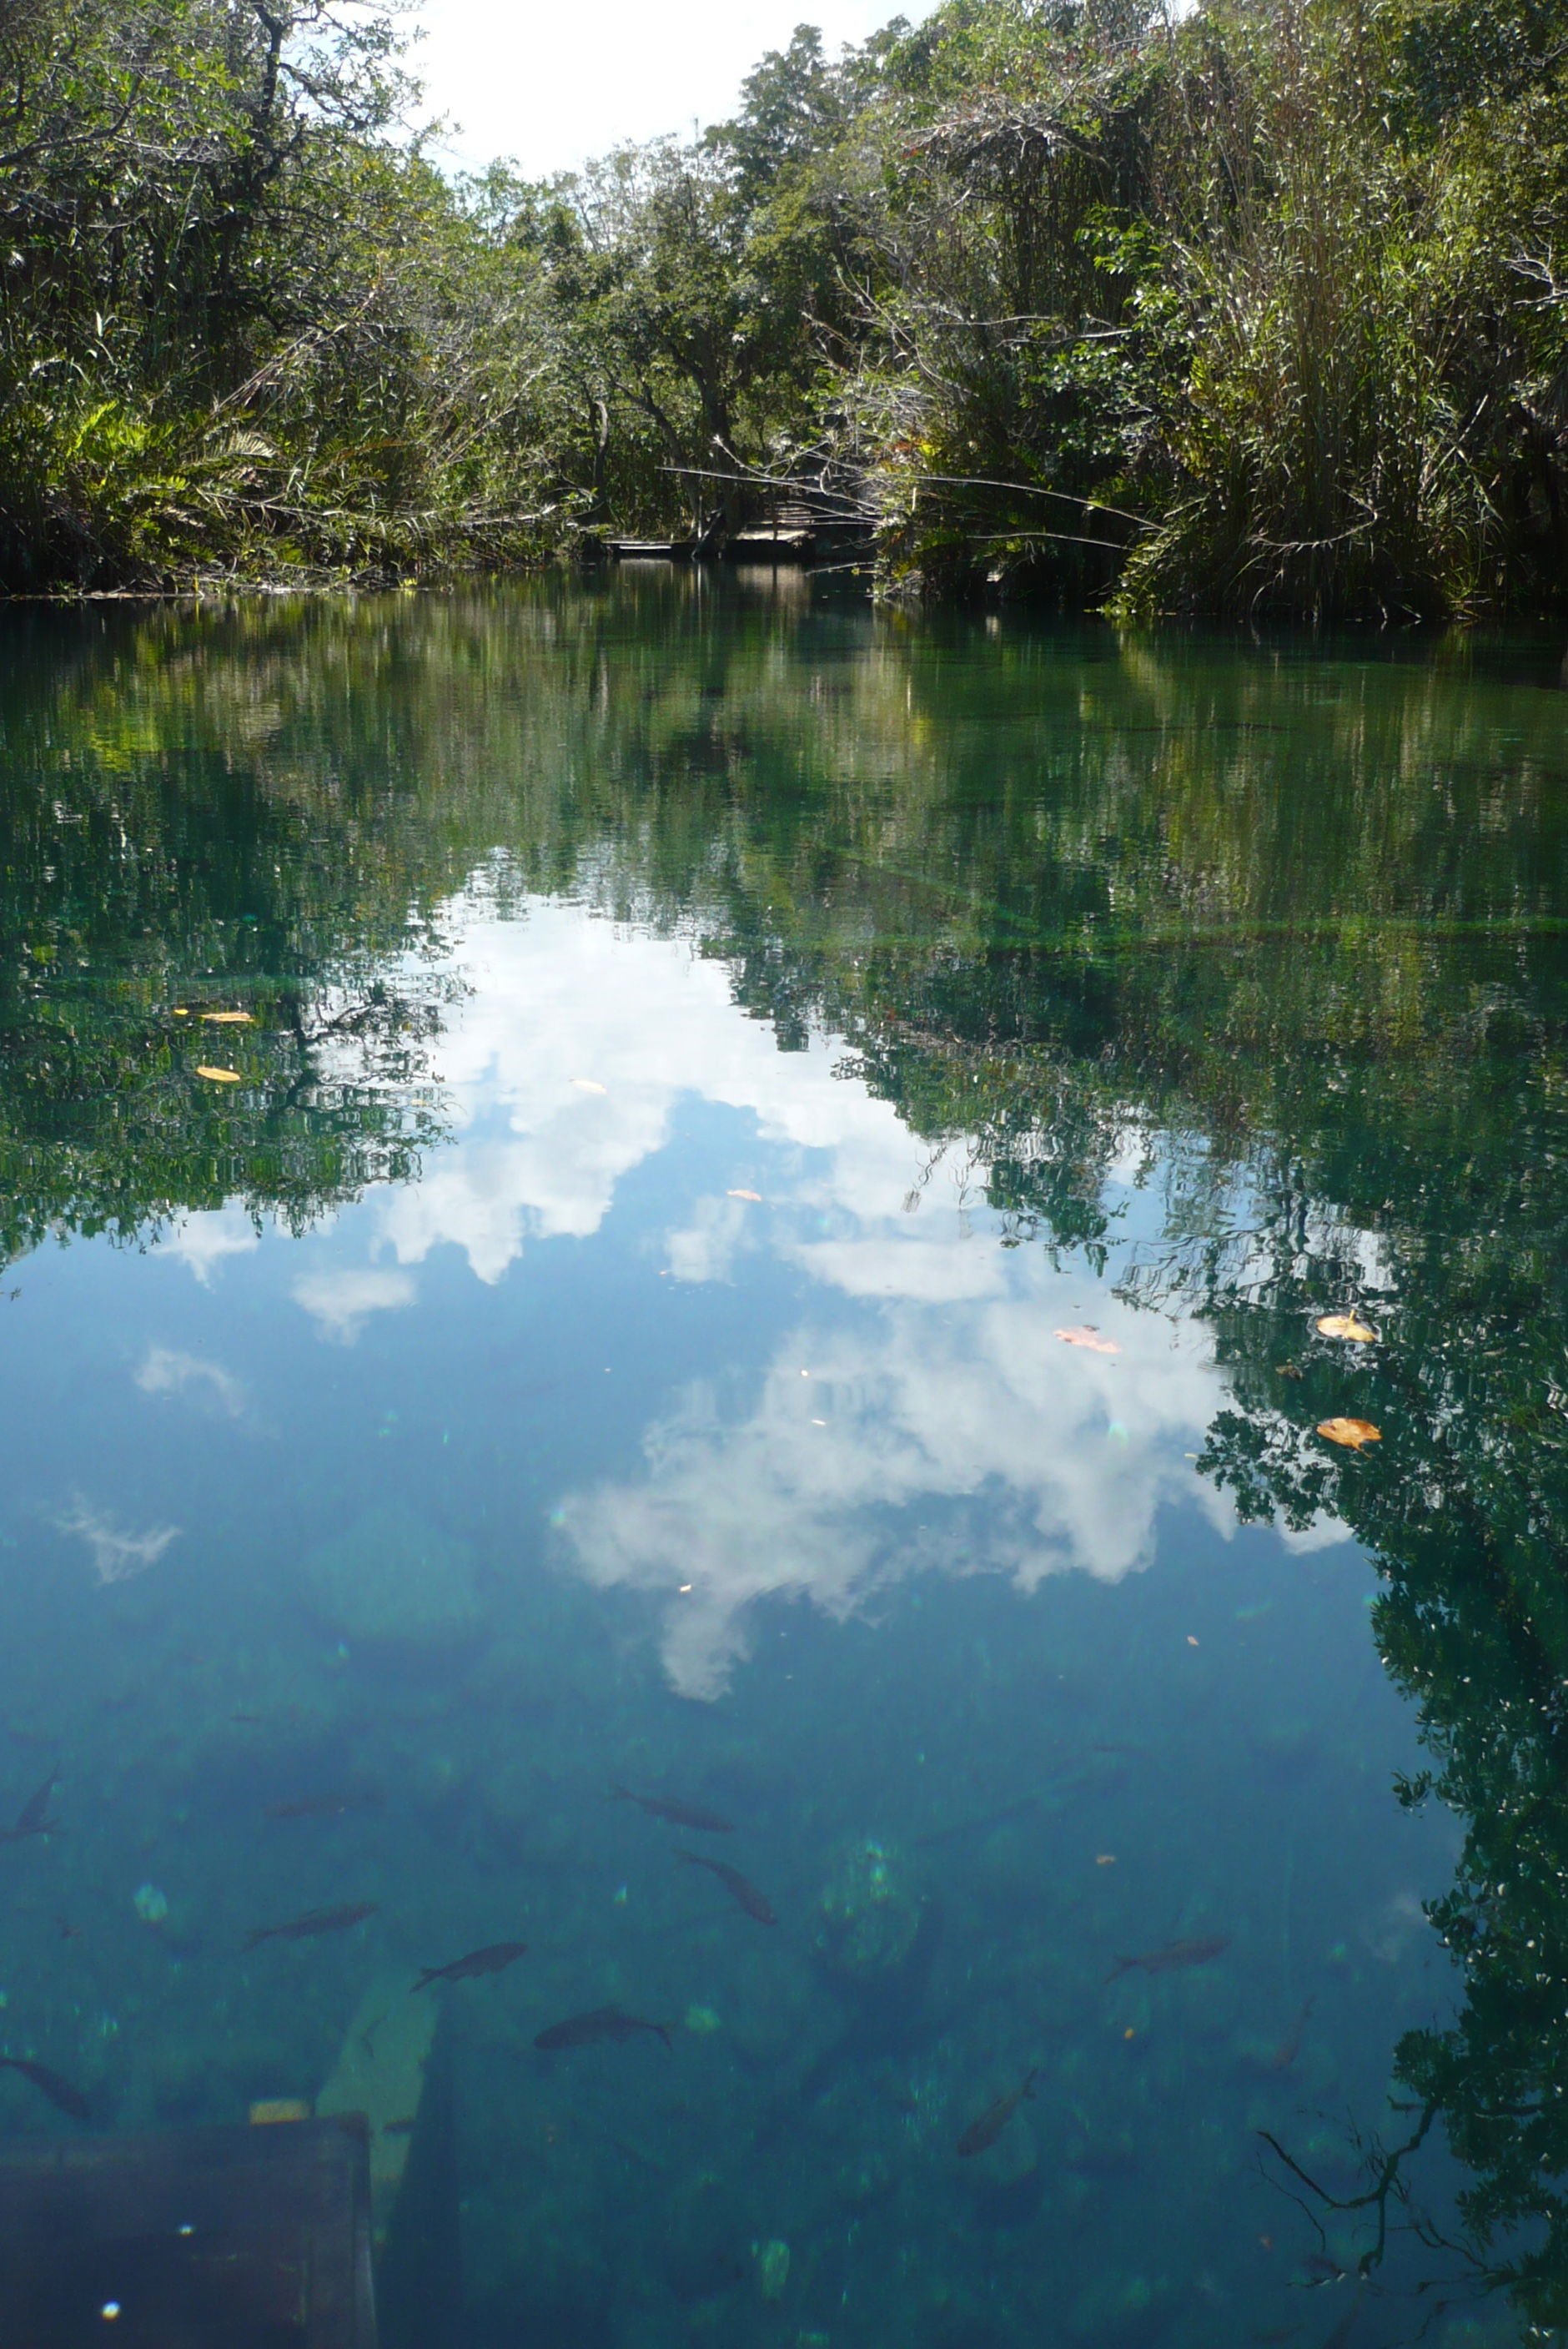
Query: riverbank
[{"x": 1255, "y": 314}]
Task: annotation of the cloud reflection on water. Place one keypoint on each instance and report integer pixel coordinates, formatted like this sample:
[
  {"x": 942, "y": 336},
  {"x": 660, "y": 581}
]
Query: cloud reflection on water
[
  {"x": 939, "y": 1378},
  {"x": 939, "y": 1399},
  {"x": 1074, "y": 1456}
]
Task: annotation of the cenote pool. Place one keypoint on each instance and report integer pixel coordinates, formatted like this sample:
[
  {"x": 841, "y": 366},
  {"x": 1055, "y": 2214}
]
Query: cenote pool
[{"x": 721, "y": 1378}]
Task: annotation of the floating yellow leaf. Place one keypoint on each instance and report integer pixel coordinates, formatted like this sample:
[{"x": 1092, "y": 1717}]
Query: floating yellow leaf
[
  {"x": 1352, "y": 1433},
  {"x": 180, "y": 1012},
  {"x": 1346, "y": 1325},
  {"x": 220, "y": 1076},
  {"x": 267, "y": 2111},
  {"x": 228, "y": 1019},
  {"x": 755, "y": 1196},
  {"x": 587, "y": 1085},
  {"x": 1088, "y": 1336}
]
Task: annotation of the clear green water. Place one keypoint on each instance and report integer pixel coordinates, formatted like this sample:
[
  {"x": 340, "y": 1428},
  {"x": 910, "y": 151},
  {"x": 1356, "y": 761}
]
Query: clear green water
[{"x": 708, "y": 1043}]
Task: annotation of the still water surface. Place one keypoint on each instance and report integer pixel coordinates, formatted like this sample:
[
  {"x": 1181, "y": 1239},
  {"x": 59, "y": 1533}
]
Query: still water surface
[{"x": 764, "y": 1253}]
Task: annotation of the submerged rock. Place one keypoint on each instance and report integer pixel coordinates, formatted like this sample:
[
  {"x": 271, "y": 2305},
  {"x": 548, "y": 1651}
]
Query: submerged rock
[
  {"x": 393, "y": 1580},
  {"x": 867, "y": 1915}
]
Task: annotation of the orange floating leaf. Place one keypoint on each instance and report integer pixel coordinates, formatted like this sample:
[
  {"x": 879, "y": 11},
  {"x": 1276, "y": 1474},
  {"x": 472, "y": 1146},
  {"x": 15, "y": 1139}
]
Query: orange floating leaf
[
  {"x": 228, "y": 1019},
  {"x": 220, "y": 1076},
  {"x": 1352, "y": 1433},
  {"x": 1088, "y": 1336},
  {"x": 755, "y": 1196},
  {"x": 1346, "y": 1325}
]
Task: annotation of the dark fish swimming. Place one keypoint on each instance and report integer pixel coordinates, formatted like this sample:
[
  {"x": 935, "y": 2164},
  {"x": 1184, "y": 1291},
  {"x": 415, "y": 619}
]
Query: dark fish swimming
[
  {"x": 679, "y": 1815},
  {"x": 314, "y": 1921},
  {"x": 323, "y": 1807},
  {"x": 990, "y": 2123},
  {"x": 600, "y": 2022},
  {"x": 1173, "y": 1955},
  {"x": 489, "y": 1960},
  {"x": 1289, "y": 2048},
  {"x": 49, "y": 2084},
  {"x": 33, "y": 1819},
  {"x": 746, "y": 1896}
]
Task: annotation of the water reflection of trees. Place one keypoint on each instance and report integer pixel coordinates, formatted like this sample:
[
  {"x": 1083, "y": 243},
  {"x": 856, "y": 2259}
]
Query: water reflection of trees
[{"x": 1307, "y": 919}]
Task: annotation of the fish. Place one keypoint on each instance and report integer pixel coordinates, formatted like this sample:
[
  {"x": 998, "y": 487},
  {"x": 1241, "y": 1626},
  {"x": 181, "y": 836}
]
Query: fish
[
  {"x": 323, "y": 1807},
  {"x": 1173, "y": 1955},
  {"x": 490, "y": 1960},
  {"x": 745, "y": 1895},
  {"x": 32, "y": 1817},
  {"x": 994, "y": 2120},
  {"x": 314, "y": 1921},
  {"x": 49, "y": 2084},
  {"x": 679, "y": 1815},
  {"x": 600, "y": 2022},
  {"x": 1289, "y": 2047}
]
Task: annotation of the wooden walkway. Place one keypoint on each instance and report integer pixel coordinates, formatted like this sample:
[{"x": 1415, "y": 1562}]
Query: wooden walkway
[{"x": 790, "y": 532}]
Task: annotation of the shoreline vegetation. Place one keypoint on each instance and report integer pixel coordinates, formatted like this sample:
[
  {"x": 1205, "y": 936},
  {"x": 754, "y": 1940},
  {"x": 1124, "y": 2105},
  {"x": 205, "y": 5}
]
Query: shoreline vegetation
[{"x": 1260, "y": 312}]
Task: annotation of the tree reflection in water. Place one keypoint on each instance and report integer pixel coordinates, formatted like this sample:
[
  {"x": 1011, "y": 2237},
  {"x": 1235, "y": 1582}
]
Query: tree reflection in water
[{"x": 1284, "y": 933}]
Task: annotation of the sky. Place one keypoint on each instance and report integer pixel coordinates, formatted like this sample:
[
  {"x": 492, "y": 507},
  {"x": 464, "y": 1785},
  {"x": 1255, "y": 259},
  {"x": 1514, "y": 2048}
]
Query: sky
[
  {"x": 915, "y": 1371},
  {"x": 550, "y": 85}
]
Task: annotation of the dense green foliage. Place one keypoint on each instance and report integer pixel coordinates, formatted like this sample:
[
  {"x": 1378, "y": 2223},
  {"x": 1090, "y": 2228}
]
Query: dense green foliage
[
  {"x": 1259, "y": 310},
  {"x": 241, "y": 326}
]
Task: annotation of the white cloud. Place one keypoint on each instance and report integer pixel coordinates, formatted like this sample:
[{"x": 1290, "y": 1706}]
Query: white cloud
[
  {"x": 117, "y": 1555},
  {"x": 563, "y": 995},
  {"x": 707, "y": 1247},
  {"x": 340, "y": 1302},
  {"x": 937, "y": 1273},
  {"x": 165, "y": 1372},
  {"x": 944, "y": 1393},
  {"x": 202, "y": 1240},
  {"x": 1074, "y": 1455}
]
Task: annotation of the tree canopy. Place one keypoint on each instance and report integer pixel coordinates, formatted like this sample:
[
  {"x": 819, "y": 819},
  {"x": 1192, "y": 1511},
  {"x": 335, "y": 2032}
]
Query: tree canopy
[{"x": 1260, "y": 309}]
